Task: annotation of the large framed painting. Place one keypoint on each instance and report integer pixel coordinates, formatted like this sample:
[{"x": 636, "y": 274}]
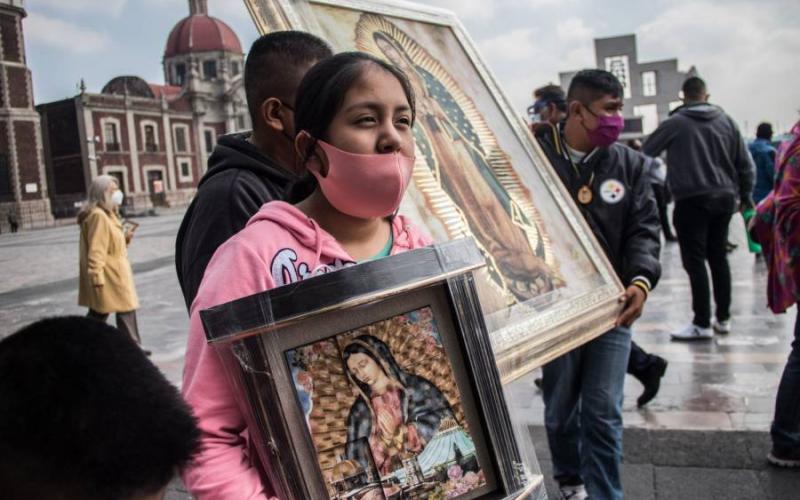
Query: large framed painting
[
  {"x": 376, "y": 382},
  {"x": 547, "y": 286}
]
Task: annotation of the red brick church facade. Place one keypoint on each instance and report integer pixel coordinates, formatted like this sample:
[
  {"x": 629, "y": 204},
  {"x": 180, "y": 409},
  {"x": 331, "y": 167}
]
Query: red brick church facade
[
  {"x": 155, "y": 139},
  {"x": 23, "y": 186}
]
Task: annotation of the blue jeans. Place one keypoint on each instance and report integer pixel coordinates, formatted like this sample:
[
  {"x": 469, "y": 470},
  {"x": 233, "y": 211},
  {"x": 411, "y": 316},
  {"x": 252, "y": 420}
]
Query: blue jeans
[
  {"x": 583, "y": 413},
  {"x": 786, "y": 425}
]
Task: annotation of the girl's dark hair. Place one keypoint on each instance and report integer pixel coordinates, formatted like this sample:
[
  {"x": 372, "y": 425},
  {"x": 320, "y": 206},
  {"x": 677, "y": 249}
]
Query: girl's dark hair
[{"x": 321, "y": 94}]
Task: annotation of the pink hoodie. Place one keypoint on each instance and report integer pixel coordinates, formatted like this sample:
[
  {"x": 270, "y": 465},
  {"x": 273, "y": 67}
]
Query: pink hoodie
[{"x": 278, "y": 246}]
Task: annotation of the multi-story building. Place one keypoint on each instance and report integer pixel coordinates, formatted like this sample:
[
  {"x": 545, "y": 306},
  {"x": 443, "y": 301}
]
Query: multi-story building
[
  {"x": 23, "y": 190},
  {"x": 652, "y": 89},
  {"x": 155, "y": 139}
]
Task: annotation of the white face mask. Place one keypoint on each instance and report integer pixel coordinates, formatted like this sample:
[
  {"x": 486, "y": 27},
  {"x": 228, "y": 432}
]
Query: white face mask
[{"x": 117, "y": 197}]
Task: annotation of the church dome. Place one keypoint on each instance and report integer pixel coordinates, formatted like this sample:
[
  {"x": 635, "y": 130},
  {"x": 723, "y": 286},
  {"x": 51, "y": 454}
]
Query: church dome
[
  {"x": 128, "y": 85},
  {"x": 201, "y": 33}
]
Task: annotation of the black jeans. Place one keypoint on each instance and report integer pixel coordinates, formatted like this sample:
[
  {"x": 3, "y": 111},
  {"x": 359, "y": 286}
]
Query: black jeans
[
  {"x": 662, "y": 196},
  {"x": 702, "y": 226},
  {"x": 786, "y": 425},
  {"x": 640, "y": 361}
]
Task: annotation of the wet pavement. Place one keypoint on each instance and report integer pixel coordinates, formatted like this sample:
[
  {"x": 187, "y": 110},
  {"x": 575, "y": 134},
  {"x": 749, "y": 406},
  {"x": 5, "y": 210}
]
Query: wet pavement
[
  {"x": 727, "y": 384},
  {"x": 40, "y": 278}
]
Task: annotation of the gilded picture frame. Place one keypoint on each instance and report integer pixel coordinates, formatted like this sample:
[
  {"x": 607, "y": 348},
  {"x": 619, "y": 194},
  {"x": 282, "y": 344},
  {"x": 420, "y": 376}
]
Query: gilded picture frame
[
  {"x": 547, "y": 286},
  {"x": 379, "y": 383}
]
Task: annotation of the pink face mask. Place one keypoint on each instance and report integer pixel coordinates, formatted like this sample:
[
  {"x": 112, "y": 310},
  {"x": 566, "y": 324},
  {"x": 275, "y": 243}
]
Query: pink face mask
[
  {"x": 608, "y": 129},
  {"x": 365, "y": 186}
]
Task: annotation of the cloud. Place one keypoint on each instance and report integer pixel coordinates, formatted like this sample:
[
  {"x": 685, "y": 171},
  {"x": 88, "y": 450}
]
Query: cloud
[
  {"x": 527, "y": 58},
  {"x": 573, "y": 30},
  {"x": 743, "y": 51},
  {"x": 113, "y": 7},
  {"x": 514, "y": 46},
  {"x": 65, "y": 36},
  {"x": 467, "y": 9},
  {"x": 230, "y": 12}
]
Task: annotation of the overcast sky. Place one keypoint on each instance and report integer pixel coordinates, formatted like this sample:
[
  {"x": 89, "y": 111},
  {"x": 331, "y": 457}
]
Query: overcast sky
[{"x": 747, "y": 51}]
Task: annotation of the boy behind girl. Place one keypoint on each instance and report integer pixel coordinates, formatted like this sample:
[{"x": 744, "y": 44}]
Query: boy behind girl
[{"x": 248, "y": 169}]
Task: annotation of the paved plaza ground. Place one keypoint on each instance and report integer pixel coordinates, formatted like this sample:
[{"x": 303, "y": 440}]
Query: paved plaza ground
[{"x": 704, "y": 436}]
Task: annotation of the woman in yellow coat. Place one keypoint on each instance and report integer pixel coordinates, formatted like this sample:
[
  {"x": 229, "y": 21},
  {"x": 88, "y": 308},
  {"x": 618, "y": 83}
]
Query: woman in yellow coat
[{"x": 106, "y": 278}]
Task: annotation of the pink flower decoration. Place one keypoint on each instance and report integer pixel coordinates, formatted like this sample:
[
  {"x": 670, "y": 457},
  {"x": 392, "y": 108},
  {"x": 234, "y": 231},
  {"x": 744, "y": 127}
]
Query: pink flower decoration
[
  {"x": 455, "y": 472},
  {"x": 471, "y": 479},
  {"x": 304, "y": 379}
]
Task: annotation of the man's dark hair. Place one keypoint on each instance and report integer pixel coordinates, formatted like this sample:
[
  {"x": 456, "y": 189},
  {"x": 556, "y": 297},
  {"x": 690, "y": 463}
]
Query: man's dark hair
[
  {"x": 635, "y": 144},
  {"x": 86, "y": 415},
  {"x": 552, "y": 94},
  {"x": 764, "y": 131},
  {"x": 694, "y": 88},
  {"x": 589, "y": 85},
  {"x": 275, "y": 64},
  {"x": 321, "y": 94}
]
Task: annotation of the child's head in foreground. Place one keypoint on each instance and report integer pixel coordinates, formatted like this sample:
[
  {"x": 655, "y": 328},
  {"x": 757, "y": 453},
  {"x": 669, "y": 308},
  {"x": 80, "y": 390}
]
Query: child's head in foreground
[{"x": 85, "y": 415}]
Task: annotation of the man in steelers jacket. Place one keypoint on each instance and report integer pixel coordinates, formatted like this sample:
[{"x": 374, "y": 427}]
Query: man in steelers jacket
[{"x": 583, "y": 388}]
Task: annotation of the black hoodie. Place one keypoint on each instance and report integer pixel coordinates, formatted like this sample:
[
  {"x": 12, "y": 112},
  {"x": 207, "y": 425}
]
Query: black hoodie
[
  {"x": 240, "y": 179},
  {"x": 706, "y": 154}
]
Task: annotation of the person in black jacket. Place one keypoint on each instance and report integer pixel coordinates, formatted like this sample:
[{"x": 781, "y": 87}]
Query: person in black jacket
[
  {"x": 549, "y": 108},
  {"x": 711, "y": 177},
  {"x": 583, "y": 388},
  {"x": 247, "y": 170}
]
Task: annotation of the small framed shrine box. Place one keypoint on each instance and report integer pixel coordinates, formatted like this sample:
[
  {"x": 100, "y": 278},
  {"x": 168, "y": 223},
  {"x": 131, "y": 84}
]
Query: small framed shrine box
[{"x": 376, "y": 381}]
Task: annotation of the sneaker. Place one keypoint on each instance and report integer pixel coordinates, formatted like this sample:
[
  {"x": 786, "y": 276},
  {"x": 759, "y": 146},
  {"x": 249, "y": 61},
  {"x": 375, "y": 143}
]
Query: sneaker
[
  {"x": 693, "y": 332},
  {"x": 721, "y": 327},
  {"x": 791, "y": 460},
  {"x": 574, "y": 492},
  {"x": 652, "y": 380}
]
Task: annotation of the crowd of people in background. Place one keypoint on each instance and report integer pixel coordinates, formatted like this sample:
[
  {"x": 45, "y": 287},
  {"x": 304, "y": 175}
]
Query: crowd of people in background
[{"x": 321, "y": 175}]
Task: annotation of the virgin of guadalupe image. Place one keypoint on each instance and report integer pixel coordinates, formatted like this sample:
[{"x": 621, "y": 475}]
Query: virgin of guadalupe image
[
  {"x": 468, "y": 165},
  {"x": 397, "y": 412}
]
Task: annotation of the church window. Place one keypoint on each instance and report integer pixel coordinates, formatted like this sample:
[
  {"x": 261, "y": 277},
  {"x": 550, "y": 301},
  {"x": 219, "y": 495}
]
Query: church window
[
  {"x": 110, "y": 136},
  {"x": 150, "y": 138},
  {"x": 209, "y": 69},
  {"x": 180, "y": 73},
  {"x": 180, "y": 139},
  {"x": 5, "y": 177},
  {"x": 208, "y": 135},
  {"x": 184, "y": 169}
]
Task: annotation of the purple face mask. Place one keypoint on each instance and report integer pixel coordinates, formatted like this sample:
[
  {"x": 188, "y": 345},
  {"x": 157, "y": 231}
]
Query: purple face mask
[{"x": 607, "y": 131}]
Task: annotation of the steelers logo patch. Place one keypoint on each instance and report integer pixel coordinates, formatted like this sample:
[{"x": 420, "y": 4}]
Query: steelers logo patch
[{"x": 612, "y": 191}]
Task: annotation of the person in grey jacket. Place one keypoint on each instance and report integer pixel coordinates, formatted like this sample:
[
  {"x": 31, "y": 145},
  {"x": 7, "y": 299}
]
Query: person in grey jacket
[{"x": 711, "y": 177}]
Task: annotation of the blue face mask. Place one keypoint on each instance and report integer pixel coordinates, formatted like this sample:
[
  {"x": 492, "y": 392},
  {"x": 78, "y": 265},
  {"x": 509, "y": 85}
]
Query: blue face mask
[{"x": 535, "y": 111}]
